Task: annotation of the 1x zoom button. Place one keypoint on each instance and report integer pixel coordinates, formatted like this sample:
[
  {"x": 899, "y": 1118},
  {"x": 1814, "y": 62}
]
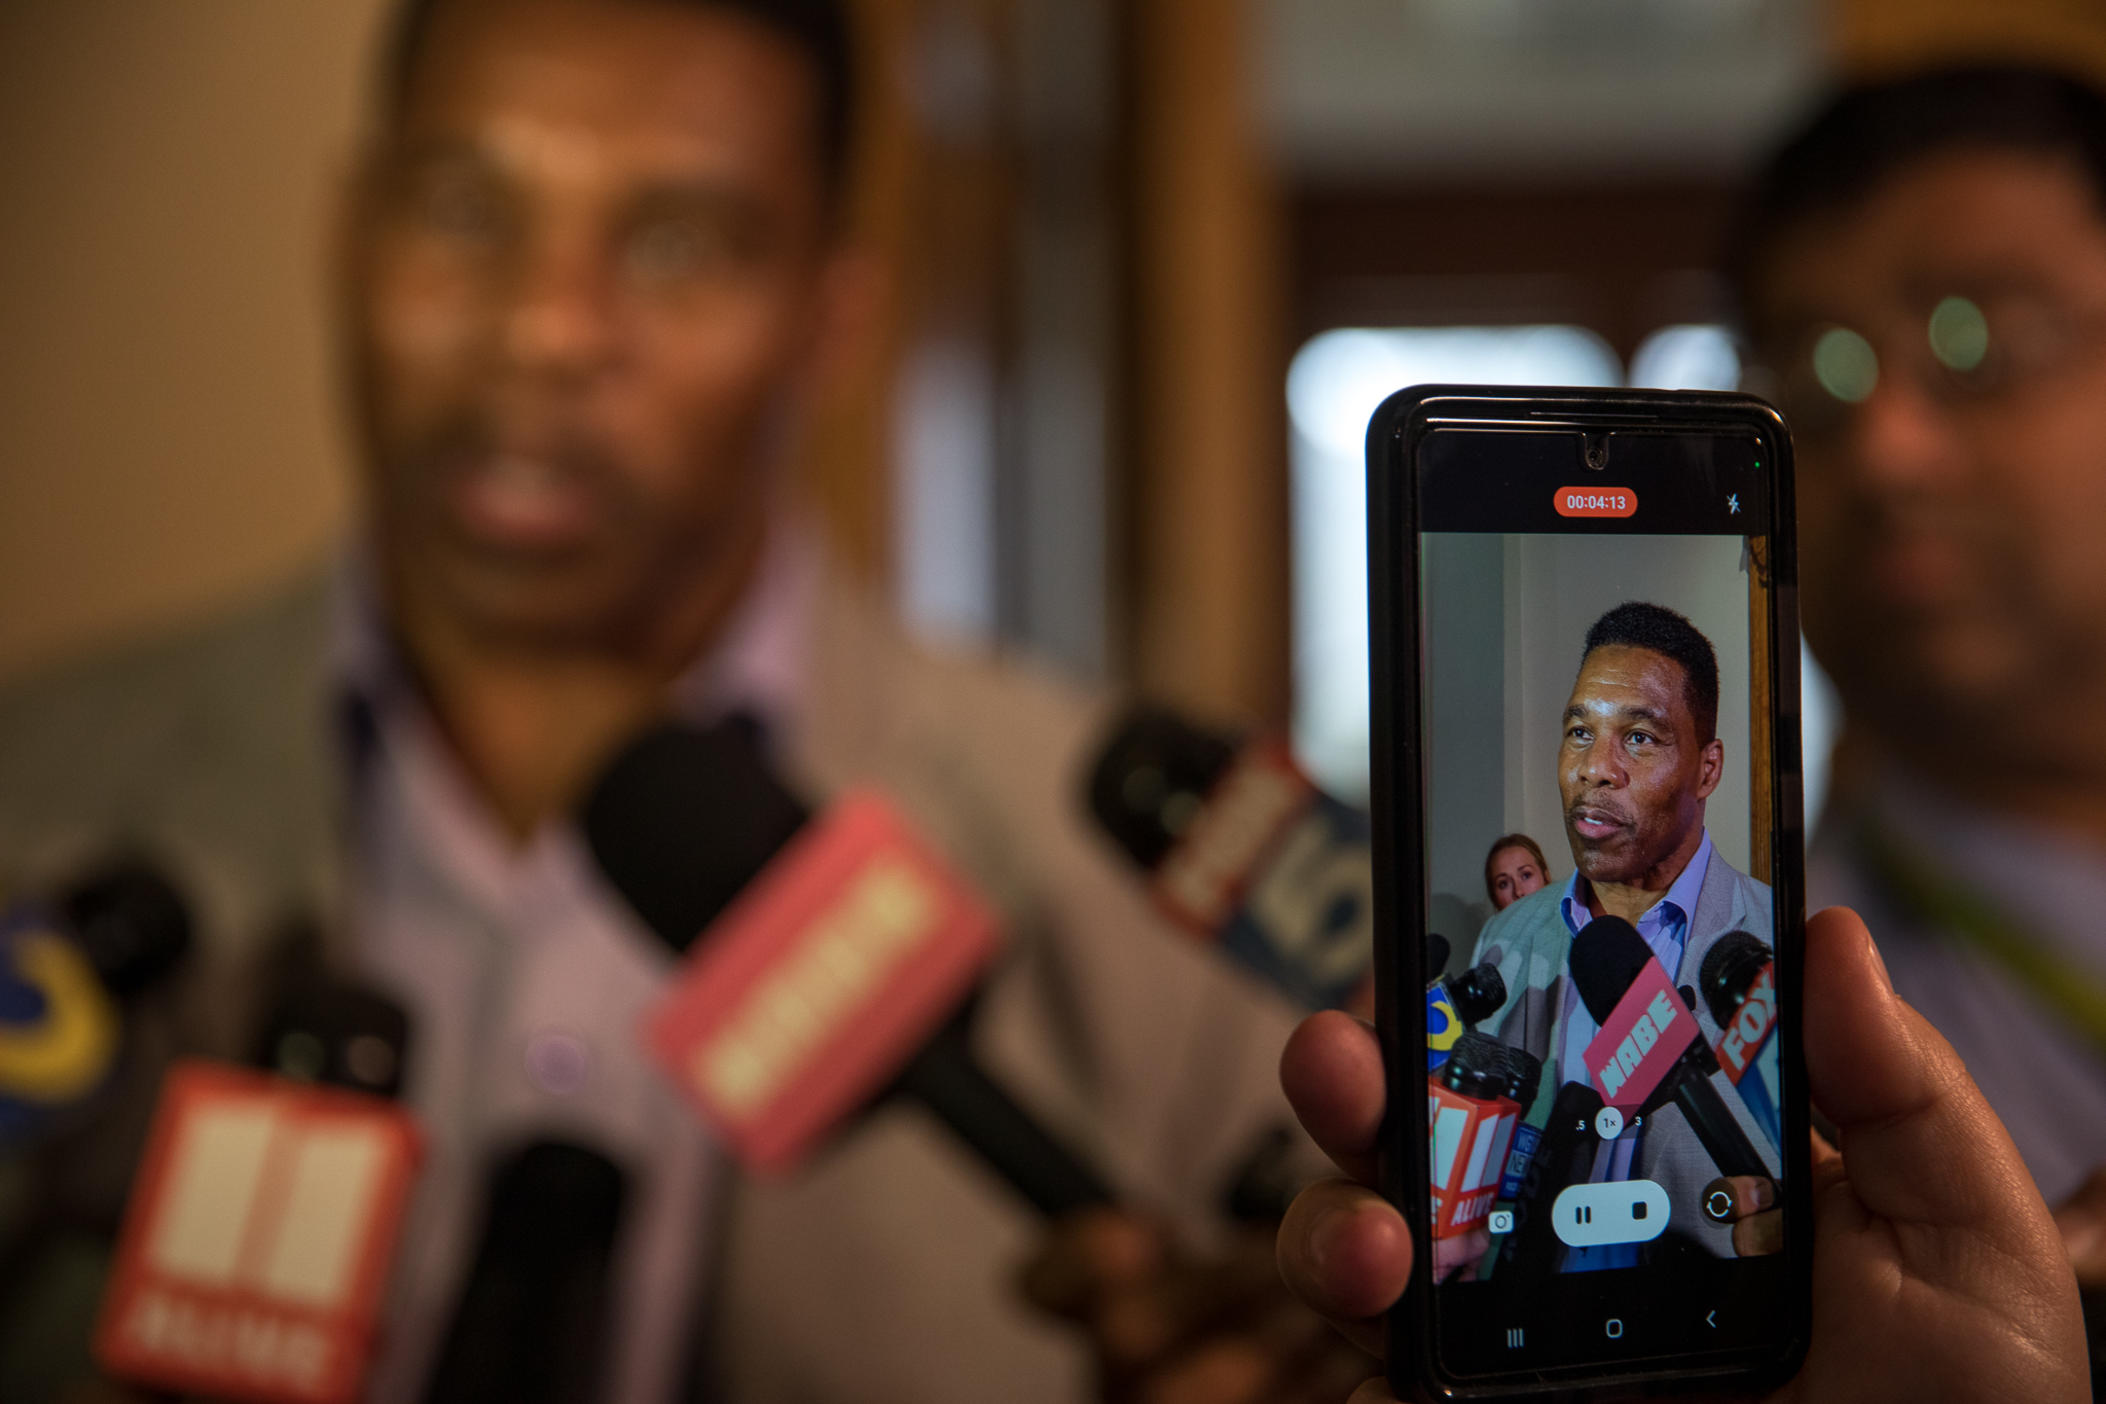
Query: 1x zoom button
[{"x": 1630, "y": 1211}]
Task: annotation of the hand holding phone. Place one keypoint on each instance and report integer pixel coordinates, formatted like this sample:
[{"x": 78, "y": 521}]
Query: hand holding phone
[
  {"x": 1938, "y": 1273},
  {"x": 1584, "y": 648}
]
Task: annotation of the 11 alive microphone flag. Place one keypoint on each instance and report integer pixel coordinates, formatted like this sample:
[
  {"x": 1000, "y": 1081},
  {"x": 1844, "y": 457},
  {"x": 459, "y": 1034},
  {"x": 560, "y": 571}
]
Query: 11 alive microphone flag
[{"x": 258, "y": 1238}]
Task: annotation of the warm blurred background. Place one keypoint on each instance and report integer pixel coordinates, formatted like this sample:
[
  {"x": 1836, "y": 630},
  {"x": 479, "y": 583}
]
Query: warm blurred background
[{"x": 1152, "y": 261}]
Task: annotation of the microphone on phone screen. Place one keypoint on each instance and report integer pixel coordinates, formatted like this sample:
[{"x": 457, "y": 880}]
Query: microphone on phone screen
[
  {"x": 1242, "y": 851},
  {"x": 827, "y": 960},
  {"x": 1470, "y": 1125},
  {"x": 1455, "y": 1003},
  {"x": 1739, "y": 981},
  {"x": 1649, "y": 1050},
  {"x": 1562, "y": 1156}
]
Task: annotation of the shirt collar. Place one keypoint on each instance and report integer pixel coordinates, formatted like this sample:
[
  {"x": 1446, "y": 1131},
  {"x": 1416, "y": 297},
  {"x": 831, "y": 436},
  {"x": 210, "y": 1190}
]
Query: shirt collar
[{"x": 1679, "y": 902}]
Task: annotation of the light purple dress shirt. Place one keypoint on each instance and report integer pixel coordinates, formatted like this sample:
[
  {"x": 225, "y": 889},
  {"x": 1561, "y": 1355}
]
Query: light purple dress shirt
[{"x": 525, "y": 978}]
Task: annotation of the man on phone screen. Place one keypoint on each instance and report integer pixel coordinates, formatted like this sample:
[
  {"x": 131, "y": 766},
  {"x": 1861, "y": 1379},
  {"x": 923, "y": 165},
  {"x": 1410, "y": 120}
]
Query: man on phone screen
[{"x": 1638, "y": 756}]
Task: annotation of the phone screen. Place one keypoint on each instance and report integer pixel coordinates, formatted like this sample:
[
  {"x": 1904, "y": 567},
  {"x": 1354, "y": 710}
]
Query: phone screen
[{"x": 1609, "y": 836}]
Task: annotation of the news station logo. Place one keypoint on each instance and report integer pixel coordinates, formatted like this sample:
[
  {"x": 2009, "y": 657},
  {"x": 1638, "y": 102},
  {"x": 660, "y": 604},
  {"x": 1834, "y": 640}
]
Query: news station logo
[
  {"x": 818, "y": 983},
  {"x": 1649, "y": 1028},
  {"x": 1751, "y": 1025},
  {"x": 258, "y": 1239},
  {"x": 58, "y": 1028}
]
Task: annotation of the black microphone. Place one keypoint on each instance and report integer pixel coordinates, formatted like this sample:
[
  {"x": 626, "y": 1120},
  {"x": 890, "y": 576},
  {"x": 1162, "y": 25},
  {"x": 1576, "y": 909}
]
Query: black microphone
[
  {"x": 1739, "y": 980},
  {"x": 1243, "y": 851},
  {"x": 1455, "y": 1003},
  {"x": 71, "y": 974},
  {"x": 1625, "y": 987},
  {"x": 1437, "y": 953},
  {"x": 531, "y": 1323},
  {"x": 687, "y": 823},
  {"x": 1563, "y": 1156}
]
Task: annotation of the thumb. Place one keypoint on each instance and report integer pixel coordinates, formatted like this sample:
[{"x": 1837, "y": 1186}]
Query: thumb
[
  {"x": 2082, "y": 1221},
  {"x": 1921, "y": 1143}
]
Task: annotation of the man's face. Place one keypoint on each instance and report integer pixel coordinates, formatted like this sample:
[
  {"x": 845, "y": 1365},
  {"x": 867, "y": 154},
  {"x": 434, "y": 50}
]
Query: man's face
[
  {"x": 1633, "y": 771},
  {"x": 586, "y": 273},
  {"x": 1951, "y": 561}
]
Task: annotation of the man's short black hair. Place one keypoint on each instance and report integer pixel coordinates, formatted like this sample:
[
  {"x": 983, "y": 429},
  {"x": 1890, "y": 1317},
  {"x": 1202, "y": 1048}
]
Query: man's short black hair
[
  {"x": 1635, "y": 624},
  {"x": 819, "y": 29},
  {"x": 1871, "y": 131}
]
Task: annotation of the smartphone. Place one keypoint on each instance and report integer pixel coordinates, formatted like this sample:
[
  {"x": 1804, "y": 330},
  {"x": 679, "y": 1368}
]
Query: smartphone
[{"x": 1585, "y": 654}]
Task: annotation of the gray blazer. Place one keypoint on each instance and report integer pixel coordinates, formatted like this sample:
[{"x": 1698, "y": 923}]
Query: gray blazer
[
  {"x": 1530, "y": 942},
  {"x": 882, "y": 1271}
]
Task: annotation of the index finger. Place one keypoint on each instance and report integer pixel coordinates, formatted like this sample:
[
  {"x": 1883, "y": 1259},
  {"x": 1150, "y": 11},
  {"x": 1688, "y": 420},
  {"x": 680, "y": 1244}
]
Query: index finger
[{"x": 1331, "y": 1071}]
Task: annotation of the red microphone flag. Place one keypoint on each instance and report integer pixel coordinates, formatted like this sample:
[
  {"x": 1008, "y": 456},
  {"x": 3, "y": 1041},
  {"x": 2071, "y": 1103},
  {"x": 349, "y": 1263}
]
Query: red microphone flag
[
  {"x": 258, "y": 1238},
  {"x": 819, "y": 981}
]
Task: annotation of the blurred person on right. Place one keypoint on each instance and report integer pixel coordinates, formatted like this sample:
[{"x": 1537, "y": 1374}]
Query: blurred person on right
[{"x": 1923, "y": 275}]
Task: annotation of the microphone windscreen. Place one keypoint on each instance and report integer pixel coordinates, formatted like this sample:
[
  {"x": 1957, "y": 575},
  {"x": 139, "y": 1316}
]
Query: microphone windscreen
[
  {"x": 1728, "y": 969},
  {"x": 683, "y": 819},
  {"x": 1607, "y": 956},
  {"x": 131, "y": 922},
  {"x": 531, "y": 1323},
  {"x": 337, "y": 1034},
  {"x": 1151, "y": 778},
  {"x": 1525, "y": 1076},
  {"x": 1479, "y": 992}
]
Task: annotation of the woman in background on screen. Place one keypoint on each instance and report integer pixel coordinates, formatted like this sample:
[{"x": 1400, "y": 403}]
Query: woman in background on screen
[{"x": 1513, "y": 869}]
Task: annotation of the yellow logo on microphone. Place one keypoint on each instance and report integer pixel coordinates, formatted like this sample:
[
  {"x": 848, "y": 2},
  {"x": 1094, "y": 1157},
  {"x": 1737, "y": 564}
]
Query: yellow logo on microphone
[
  {"x": 63, "y": 1052},
  {"x": 1443, "y": 1026}
]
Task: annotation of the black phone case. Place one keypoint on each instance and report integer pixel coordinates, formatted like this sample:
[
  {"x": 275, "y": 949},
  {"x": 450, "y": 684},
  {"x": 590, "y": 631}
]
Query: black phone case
[{"x": 1395, "y": 663}]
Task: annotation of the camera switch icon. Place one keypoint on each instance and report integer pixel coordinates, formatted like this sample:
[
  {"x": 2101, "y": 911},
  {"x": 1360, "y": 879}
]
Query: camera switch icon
[{"x": 1501, "y": 1221}]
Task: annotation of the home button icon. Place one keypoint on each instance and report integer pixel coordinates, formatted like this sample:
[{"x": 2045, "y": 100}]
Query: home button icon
[{"x": 1613, "y": 1328}]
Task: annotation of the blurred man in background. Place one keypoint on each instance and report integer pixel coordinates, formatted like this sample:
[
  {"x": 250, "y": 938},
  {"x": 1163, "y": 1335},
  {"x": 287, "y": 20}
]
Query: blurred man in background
[
  {"x": 591, "y": 269},
  {"x": 1923, "y": 271}
]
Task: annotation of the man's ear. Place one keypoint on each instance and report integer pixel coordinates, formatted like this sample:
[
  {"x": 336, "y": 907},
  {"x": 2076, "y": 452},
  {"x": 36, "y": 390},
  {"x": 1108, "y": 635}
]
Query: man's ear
[{"x": 1711, "y": 768}]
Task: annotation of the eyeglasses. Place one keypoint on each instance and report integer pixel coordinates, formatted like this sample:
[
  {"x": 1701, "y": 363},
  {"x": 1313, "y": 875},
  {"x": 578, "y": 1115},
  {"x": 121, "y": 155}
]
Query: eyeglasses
[{"x": 1964, "y": 356}]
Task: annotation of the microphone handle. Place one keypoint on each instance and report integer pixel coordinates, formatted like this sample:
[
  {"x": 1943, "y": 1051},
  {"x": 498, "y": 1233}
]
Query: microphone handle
[
  {"x": 944, "y": 1078},
  {"x": 1728, "y": 1145},
  {"x": 1561, "y": 1159}
]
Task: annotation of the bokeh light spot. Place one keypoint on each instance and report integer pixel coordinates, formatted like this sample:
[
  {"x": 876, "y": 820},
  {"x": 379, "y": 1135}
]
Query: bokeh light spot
[
  {"x": 1846, "y": 365},
  {"x": 1959, "y": 334}
]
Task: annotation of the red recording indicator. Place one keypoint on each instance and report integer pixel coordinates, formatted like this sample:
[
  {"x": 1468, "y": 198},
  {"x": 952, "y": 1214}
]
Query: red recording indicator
[
  {"x": 1595, "y": 502},
  {"x": 820, "y": 981},
  {"x": 258, "y": 1239}
]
